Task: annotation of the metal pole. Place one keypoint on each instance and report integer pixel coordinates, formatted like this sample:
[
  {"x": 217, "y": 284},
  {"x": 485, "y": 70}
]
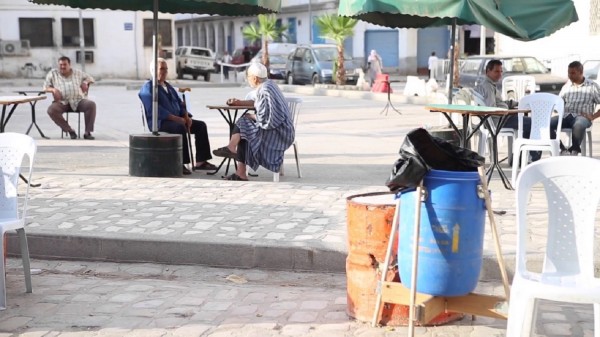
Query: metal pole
[
  {"x": 482, "y": 38},
  {"x": 451, "y": 79},
  {"x": 81, "y": 41},
  {"x": 155, "y": 77},
  {"x": 310, "y": 37}
]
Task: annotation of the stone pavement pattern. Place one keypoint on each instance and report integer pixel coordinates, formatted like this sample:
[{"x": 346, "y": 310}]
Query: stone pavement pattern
[{"x": 145, "y": 300}]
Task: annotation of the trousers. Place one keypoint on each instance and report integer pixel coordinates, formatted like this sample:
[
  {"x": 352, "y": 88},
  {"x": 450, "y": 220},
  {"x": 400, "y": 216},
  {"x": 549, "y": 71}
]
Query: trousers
[
  {"x": 200, "y": 132},
  {"x": 577, "y": 124},
  {"x": 88, "y": 107}
]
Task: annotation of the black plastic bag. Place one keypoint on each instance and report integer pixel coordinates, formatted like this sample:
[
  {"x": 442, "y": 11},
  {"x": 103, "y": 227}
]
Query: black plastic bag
[{"x": 421, "y": 152}]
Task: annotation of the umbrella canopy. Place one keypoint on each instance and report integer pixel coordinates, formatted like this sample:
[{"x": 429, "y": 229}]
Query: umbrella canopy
[
  {"x": 212, "y": 7},
  {"x": 520, "y": 19}
]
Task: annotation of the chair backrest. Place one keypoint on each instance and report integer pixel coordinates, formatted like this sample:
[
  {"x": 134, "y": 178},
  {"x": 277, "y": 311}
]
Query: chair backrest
[
  {"x": 294, "y": 106},
  {"x": 519, "y": 85},
  {"x": 542, "y": 105},
  {"x": 13, "y": 148},
  {"x": 572, "y": 189}
]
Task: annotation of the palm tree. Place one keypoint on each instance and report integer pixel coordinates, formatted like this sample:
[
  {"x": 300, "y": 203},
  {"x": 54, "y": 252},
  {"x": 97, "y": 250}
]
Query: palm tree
[
  {"x": 337, "y": 28},
  {"x": 266, "y": 30}
]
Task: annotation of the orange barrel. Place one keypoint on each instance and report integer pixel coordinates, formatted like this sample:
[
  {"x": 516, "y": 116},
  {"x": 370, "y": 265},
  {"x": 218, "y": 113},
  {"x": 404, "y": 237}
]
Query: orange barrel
[{"x": 369, "y": 223}]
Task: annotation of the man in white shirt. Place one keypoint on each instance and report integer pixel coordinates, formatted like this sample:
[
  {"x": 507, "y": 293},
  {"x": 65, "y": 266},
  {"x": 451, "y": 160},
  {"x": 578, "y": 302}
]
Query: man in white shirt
[{"x": 431, "y": 63}]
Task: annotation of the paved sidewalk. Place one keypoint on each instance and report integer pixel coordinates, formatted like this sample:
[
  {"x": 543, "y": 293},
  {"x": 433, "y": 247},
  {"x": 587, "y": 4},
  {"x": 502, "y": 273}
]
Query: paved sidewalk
[{"x": 125, "y": 300}]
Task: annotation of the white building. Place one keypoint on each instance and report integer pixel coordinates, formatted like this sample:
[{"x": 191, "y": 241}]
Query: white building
[{"x": 117, "y": 43}]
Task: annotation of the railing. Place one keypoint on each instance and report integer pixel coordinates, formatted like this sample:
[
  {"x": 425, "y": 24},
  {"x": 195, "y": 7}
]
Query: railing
[
  {"x": 442, "y": 69},
  {"x": 233, "y": 67}
]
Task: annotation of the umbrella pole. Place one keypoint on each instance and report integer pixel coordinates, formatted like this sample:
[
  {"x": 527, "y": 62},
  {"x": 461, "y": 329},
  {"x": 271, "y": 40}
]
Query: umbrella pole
[
  {"x": 155, "y": 75},
  {"x": 451, "y": 79}
]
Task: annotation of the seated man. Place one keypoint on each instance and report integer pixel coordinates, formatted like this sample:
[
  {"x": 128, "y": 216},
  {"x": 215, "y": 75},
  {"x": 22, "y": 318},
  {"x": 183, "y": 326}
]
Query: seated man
[
  {"x": 261, "y": 138},
  {"x": 69, "y": 88},
  {"x": 174, "y": 118},
  {"x": 486, "y": 87},
  {"x": 580, "y": 95}
]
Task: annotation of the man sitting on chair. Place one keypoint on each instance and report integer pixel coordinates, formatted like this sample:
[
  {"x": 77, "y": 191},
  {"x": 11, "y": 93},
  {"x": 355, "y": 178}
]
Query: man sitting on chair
[
  {"x": 580, "y": 95},
  {"x": 69, "y": 88},
  {"x": 486, "y": 87},
  {"x": 174, "y": 118},
  {"x": 261, "y": 138}
]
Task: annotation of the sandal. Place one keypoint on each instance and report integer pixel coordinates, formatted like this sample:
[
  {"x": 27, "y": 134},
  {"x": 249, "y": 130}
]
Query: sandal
[
  {"x": 205, "y": 166},
  {"x": 235, "y": 177},
  {"x": 186, "y": 171},
  {"x": 224, "y": 152}
]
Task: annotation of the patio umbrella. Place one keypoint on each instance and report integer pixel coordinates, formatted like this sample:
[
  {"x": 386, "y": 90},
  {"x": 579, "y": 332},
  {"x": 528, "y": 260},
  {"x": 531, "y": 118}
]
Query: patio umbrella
[
  {"x": 213, "y": 7},
  {"x": 520, "y": 19}
]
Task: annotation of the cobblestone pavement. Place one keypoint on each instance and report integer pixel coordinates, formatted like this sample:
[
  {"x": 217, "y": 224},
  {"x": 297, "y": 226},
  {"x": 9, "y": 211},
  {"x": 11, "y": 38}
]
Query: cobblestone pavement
[{"x": 115, "y": 299}]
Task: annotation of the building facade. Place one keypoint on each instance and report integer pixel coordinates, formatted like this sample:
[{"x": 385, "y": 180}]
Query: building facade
[{"x": 118, "y": 44}]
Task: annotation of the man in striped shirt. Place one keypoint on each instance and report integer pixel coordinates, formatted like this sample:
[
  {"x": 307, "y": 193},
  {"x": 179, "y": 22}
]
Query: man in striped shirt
[
  {"x": 69, "y": 89},
  {"x": 580, "y": 95}
]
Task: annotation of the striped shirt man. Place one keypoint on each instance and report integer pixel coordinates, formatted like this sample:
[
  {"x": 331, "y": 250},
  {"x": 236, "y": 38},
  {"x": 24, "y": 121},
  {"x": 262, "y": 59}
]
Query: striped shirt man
[
  {"x": 69, "y": 86},
  {"x": 580, "y": 98}
]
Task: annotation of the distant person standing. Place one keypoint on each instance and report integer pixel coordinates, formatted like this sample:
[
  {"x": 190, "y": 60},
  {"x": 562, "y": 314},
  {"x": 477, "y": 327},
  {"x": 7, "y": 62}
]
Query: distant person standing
[
  {"x": 375, "y": 64},
  {"x": 226, "y": 59},
  {"x": 431, "y": 63}
]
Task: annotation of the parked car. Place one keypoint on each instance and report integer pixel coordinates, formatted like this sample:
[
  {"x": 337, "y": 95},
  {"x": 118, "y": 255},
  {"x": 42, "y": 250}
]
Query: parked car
[
  {"x": 194, "y": 61},
  {"x": 314, "y": 64},
  {"x": 278, "y": 54},
  {"x": 473, "y": 68},
  {"x": 591, "y": 70}
]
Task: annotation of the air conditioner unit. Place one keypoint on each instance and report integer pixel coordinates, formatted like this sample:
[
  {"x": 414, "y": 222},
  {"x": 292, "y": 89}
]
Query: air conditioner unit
[
  {"x": 14, "y": 48},
  {"x": 89, "y": 56}
]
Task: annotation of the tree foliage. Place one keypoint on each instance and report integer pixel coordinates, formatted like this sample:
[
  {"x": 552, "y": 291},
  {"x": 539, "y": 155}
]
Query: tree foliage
[
  {"x": 338, "y": 29},
  {"x": 266, "y": 30}
]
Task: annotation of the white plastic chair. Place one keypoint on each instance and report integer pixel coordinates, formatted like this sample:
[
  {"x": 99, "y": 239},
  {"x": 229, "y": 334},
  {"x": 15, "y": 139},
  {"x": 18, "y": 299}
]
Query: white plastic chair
[
  {"x": 13, "y": 148},
  {"x": 517, "y": 86},
  {"x": 573, "y": 192},
  {"x": 541, "y": 105},
  {"x": 585, "y": 150},
  {"x": 294, "y": 106}
]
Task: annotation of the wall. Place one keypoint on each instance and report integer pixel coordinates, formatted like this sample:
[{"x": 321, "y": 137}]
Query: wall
[{"x": 118, "y": 53}]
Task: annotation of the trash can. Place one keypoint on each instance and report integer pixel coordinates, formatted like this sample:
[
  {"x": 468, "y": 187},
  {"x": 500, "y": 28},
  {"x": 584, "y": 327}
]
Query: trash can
[
  {"x": 451, "y": 233},
  {"x": 369, "y": 224}
]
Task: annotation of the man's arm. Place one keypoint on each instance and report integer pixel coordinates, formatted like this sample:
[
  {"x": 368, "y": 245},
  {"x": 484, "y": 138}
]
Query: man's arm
[{"x": 145, "y": 95}]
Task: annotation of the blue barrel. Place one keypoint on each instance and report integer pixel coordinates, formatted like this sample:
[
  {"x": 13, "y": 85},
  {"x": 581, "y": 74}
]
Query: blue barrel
[{"x": 451, "y": 234}]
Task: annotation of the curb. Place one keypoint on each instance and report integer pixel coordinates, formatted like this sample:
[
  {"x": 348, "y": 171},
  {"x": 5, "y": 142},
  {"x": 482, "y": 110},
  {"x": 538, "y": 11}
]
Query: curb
[{"x": 213, "y": 254}]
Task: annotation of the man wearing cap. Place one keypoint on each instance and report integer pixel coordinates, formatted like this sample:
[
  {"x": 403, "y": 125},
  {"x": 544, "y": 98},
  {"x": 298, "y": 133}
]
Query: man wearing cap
[{"x": 260, "y": 139}]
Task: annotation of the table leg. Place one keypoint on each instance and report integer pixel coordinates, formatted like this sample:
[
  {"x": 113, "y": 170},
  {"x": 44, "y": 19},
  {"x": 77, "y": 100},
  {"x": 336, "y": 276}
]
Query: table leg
[
  {"x": 494, "y": 155},
  {"x": 34, "y": 122},
  {"x": 27, "y": 182}
]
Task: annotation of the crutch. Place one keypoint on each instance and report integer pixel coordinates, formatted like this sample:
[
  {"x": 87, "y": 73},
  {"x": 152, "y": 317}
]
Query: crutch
[{"x": 189, "y": 136}]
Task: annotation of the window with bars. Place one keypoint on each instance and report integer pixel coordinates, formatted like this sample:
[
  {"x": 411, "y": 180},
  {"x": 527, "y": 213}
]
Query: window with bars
[
  {"x": 70, "y": 32},
  {"x": 164, "y": 32},
  {"x": 37, "y": 30}
]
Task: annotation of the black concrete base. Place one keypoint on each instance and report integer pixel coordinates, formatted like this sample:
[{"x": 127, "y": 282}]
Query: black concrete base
[{"x": 155, "y": 156}]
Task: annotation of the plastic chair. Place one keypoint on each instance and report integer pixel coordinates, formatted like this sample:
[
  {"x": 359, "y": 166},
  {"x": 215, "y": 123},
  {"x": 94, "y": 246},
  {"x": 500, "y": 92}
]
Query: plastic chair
[
  {"x": 294, "y": 106},
  {"x": 517, "y": 86},
  {"x": 13, "y": 148},
  {"x": 541, "y": 105},
  {"x": 79, "y": 113},
  {"x": 587, "y": 136},
  {"x": 572, "y": 191}
]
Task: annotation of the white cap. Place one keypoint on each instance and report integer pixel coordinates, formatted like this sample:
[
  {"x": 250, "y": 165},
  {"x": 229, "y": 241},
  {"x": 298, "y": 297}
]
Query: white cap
[{"x": 258, "y": 70}]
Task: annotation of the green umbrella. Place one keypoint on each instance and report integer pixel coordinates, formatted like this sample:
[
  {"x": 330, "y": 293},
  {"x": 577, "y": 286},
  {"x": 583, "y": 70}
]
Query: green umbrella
[
  {"x": 520, "y": 19},
  {"x": 213, "y": 7}
]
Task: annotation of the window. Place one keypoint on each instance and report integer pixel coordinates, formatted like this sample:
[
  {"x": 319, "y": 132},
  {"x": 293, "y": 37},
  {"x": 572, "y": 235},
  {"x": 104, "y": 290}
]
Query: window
[
  {"x": 164, "y": 32},
  {"x": 70, "y": 32},
  {"x": 37, "y": 30}
]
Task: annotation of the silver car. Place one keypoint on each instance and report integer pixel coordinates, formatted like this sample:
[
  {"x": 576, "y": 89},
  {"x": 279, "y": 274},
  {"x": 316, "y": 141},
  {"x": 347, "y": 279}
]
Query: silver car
[{"x": 314, "y": 64}]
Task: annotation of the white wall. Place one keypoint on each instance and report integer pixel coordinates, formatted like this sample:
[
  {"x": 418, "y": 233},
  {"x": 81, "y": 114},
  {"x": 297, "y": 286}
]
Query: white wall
[{"x": 118, "y": 53}]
